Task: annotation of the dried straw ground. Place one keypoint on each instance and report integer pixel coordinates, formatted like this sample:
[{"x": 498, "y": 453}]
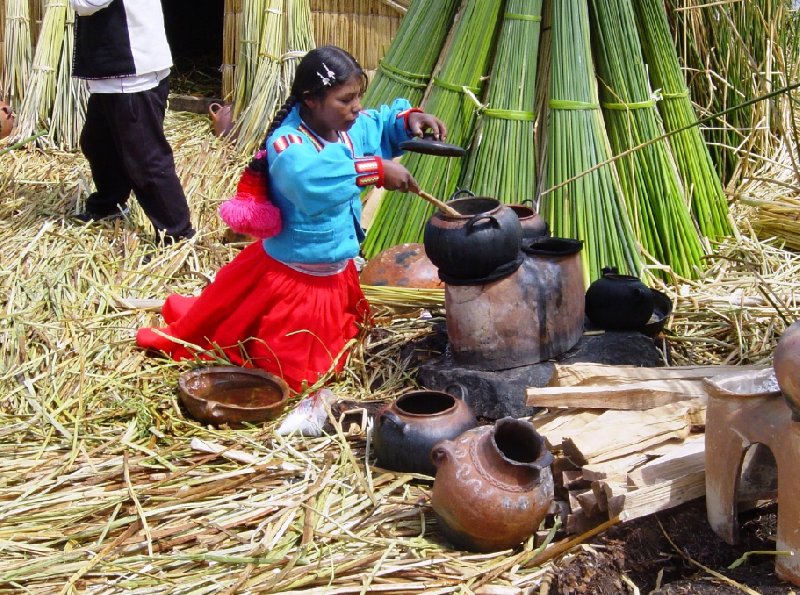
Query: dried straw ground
[{"x": 106, "y": 487}]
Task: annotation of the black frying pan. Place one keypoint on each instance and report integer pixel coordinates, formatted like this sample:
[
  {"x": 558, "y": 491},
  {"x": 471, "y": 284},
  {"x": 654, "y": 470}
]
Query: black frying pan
[{"x": 430, "y": 146}]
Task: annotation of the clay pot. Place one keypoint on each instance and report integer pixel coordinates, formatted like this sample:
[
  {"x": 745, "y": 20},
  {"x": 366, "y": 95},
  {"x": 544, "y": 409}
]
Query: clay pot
[
  {"x": 6, "y": 120},
  {"x": 493, "y": 485},
  {"x": 406, "y": 430},
  {"x": 617, "y": 302},
  {"x": 232, "y": 395},
  {"x": 786, "y": 362},
  {"x": 533, "y": 225},
  {"x": 405, "y": 265},
  {"x": 484, "y": 237},
  {"x": 530, "y": 316},
  {"x": 221, "y": 118}
]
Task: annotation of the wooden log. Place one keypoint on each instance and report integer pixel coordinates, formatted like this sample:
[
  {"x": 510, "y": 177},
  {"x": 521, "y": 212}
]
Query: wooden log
[
  {"x": 662, "y": 496},
  {"x": 588, "y": 373},
  {"x": 615, "y": 469},
  {"x": 558, "y": 426},
  {"x": 572, "y": 479},
  {"x": 635, "y": 395},
  {"x": 685, "y": 459},
  {"x": 618, "y": 433}
]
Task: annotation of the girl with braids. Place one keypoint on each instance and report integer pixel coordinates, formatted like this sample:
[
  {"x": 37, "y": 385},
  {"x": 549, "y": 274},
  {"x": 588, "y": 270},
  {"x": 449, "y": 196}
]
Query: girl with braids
[{"x": 291, "y": 303}]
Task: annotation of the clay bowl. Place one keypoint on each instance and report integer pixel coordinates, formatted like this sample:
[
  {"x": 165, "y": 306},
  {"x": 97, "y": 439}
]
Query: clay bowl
[
  {"x": 405, "y": 265},
  {"x": 231, "y": 395},
  {"x": 761, "y": 383},
  {"x": 662, "y": 310}
]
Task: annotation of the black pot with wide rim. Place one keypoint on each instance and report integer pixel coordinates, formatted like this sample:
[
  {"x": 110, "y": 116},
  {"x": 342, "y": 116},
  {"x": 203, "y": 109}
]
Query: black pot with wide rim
[{"x": 484, "y": 237}]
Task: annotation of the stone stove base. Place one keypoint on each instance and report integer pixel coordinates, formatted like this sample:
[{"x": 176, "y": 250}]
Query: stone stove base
[{"x": 493, "y": 394}]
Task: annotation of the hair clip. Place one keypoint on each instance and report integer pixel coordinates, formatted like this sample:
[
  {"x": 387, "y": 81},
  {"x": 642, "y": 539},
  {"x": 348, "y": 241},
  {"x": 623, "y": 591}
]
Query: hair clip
[{"x": 328, "y": 77}]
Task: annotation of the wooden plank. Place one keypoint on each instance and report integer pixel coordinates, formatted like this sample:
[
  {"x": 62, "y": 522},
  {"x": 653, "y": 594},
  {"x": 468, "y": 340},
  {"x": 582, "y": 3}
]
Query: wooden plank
[
  {"x": 668, "y": 494},
  {"x": 684, "y": 459},
  {"x": 632, "y": 396},
  {"x": 588, "y": 373},
  {"x": 618, "y": 433}
]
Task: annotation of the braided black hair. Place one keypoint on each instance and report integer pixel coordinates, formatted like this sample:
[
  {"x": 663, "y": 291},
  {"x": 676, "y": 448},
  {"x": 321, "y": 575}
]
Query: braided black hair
[{"x": 320, "y": 70}]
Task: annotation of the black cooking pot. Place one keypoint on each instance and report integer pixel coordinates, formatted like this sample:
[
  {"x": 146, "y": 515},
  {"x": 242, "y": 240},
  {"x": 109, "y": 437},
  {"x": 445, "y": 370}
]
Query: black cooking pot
[
  {"x": 617, "y": 302},
  {"x": 483, "y": 237}
]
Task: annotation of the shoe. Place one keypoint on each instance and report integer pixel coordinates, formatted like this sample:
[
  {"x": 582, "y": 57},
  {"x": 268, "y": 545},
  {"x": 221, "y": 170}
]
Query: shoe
[{"x": 88, "y": 216}]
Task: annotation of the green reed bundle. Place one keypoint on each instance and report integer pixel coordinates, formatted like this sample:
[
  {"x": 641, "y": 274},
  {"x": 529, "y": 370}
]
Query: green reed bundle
[
  {"x": 41, "y": 89},
  {"x": 251, "y": 20},
  {"x": 69, "y": 108},
  {"x": 267, "y": 91},
  {"x": 590, "y": 207},
  {"x": 405, "y": 70},
  {"x": 456, "y": 83},
  {"x": 18, "y": 47},
  {"x": 700, "y": 178},
  {"x": 502, "y": 160},
  {"x": 650, "y": 182}
]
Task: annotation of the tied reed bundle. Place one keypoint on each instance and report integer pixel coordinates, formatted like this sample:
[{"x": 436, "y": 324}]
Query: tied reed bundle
[
  {"x": 41, "y": 89},
  {"x": 268, "y": 91},
  {"x": 590, "y": 207},
  {"x": 736, "y": 52},
  {"x": 72, "y": 95},
  {"x": 406, "y": 68},
  {"x": 502, "y": 160},
  {"x": 700, "y": 178},
  {"x": 299, "y": 38},
  {"x": 17, "y": 59},
  {"x": 457, "y": 82},
  {"x": 251, "y": 20},
  {"x": 651, "y": 185},
  {"x": 230, "y": 41}
]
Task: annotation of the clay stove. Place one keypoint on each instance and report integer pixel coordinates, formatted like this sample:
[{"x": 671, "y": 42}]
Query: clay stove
[{"x": 735, "y": 423}]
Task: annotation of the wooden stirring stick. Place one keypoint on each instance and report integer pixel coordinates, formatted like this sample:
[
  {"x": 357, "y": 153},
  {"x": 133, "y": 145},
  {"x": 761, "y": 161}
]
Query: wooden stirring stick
[{"x": 442, "y": 206}]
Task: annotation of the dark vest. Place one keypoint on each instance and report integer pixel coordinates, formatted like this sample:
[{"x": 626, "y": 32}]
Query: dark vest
[{"x": 102, "y": 41}]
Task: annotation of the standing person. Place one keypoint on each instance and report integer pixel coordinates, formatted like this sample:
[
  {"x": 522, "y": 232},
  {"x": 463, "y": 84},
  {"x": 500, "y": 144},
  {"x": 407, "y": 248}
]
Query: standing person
[
  {"x": 292, "y": 303},
  {"x": 121, "y": 49}
]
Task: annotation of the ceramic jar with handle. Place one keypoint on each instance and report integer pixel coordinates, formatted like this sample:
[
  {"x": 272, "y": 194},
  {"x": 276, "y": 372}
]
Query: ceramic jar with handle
[
  {"x": 221, "y": 118},
  {"x": 493, "y": 485},
  {"x": 406, "y": 430}
]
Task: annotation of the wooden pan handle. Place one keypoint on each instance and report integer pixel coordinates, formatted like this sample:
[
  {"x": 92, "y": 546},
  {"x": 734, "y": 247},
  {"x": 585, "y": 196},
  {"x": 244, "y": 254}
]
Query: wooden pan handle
[{"x": 442, "y": 206}]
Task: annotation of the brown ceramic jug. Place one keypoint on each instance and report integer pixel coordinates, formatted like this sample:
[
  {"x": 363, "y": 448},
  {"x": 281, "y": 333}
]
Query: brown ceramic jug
[
  {"x": 221, "y": 118},
  {"x": 493, "y": 485},
  {"x": 786, "y": 362},
  {"x": 406, "y": 430},
  {"x": 6, "y": 120}
]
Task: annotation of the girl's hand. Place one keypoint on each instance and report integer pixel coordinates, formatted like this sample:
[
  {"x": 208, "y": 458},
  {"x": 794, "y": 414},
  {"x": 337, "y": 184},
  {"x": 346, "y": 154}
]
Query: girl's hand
[
  {"x": 397, "y": 177},
  {"x": 419, "y": 122}
]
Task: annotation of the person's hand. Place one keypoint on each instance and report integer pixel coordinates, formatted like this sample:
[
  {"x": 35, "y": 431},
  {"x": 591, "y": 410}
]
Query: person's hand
[
  {"x": 397, "y": 177},
  {"x": 419, "y": 122}
]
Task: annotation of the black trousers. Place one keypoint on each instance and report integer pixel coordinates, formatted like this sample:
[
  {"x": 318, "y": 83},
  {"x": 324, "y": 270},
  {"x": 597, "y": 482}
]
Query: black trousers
[{"x": 123, "y": 140}]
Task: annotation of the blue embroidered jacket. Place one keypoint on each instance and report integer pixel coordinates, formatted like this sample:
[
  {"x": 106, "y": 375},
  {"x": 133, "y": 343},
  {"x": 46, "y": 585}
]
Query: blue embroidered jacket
[{"x": 318, "y": 187}]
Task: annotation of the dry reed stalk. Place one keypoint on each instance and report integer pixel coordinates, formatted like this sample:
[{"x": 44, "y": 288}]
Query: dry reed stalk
[{"x": 230, "y": 41}]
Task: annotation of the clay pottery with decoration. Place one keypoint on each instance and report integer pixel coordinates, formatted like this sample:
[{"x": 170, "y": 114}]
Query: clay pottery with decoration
[
  {"x": 406, "y": 430},
  {"x": 786, "y": 362},
  {"x": 6, "y": 119},
  {"x": 617, "y": 302},
  {"x": 221, "y": 118},
  {"x": 405, "y": 265},
  {"x": 493, "y": 485},
  {"x": 484, "y": 237}
]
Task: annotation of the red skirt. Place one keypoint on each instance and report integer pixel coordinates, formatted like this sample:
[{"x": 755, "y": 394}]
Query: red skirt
[{"x": 260, "y": 313}]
